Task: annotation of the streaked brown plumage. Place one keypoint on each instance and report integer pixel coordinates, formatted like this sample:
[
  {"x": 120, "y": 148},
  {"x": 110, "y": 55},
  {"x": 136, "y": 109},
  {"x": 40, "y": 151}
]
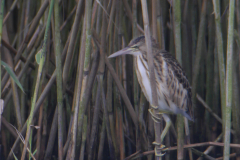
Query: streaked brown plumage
[{"x": 173, "y": 88}]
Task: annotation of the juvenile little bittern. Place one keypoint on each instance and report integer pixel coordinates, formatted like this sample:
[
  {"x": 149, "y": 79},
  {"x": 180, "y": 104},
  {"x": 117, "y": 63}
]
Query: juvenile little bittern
[{"x": 173, "y": 89}]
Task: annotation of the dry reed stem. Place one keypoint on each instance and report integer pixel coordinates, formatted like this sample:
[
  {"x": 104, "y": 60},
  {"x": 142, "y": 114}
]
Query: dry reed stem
[{"x": 185, "y": 147}]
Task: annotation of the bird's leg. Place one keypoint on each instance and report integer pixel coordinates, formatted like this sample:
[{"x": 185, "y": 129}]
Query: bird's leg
[
  {"x": 159, "y": 146},
  {"x": 167, "y": 126},
  {"x": 157, "y": 120}
]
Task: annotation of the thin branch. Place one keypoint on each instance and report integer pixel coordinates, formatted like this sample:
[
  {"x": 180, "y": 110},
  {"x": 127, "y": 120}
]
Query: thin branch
[{"x": 219, "y": 144}]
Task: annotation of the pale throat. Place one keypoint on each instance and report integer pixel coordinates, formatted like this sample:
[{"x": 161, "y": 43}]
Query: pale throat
[
  {"x": 143, "y": 76},
  {"x": 137, "y": 53}
]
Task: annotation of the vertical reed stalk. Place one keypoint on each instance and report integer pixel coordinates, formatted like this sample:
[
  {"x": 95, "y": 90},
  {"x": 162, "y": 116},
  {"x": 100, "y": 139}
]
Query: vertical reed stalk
[
  {"x": 73, "y": 33},
  {"x": 1, "y": 25},
  {"x": 1, "y": 101},
  {"x": 177, "y": 29},
  {"x": 209, "y": 72},
  {"x": 135, "y": 80},
  {"x": 221, "y": 62},
  {"x": 160, "y": 26},
  {"x": 235, "y": 105},
  {"x": 94, "y": 122},
  {"x": 154, "y": 19},
  {"x": 110, "y": 92},
  {"x": 84, "y": 138},
  {"x": 186, "y": 44},
  {"x": 87, "y": 54},
  {"x": 102, "y": 139},
  {"x": 57, "y": 49},
  {"x": 101, "y": 70},
  {"x": 110, "y": 143},
  {"x": 236, "y": 69},
  {"x": 229, "y": 70},
  {"x": 75, "y": 139},
  {"x": 152, "y": 76},
  {"x": 178, "y": 51},
  {"x": 200, "y": 41}
]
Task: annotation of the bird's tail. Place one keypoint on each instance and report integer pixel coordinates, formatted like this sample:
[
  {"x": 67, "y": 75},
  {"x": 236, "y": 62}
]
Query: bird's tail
[{"x": 177, "y": 110}]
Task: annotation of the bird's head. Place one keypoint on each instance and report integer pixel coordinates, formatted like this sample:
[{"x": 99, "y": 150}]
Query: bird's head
[{"x": 136, "y": 47}]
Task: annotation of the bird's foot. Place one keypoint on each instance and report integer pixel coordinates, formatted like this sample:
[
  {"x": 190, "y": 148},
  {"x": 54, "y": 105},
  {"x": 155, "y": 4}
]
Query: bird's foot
[
  {"x": 154, "y": 117},
  {"x": 154, "y": 107},
  {"x": 158, "y": 148}
]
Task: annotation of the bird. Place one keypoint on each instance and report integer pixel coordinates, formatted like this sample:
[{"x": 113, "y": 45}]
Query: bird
[{"x": 173, "y": 88}]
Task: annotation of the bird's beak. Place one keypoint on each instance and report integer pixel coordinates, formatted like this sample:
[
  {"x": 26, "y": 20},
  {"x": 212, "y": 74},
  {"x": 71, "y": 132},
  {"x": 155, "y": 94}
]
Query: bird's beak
[{"x": 126, "y": 50}]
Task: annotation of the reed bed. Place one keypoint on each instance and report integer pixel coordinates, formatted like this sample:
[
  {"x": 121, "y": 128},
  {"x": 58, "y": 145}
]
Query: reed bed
[{"x": 64, "y": 99}]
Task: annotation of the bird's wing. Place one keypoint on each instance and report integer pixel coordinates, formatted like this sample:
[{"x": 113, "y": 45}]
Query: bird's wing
[{"x": 177, "y": 83}]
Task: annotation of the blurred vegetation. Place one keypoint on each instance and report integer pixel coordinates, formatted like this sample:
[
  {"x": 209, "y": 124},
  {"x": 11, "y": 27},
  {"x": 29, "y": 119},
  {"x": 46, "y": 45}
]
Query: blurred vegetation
[{"x": 78, "y": 104}]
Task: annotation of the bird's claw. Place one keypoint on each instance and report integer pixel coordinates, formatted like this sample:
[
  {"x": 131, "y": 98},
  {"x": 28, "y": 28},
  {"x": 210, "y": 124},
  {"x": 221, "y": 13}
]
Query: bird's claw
[
  {"x": 159, "y": 154},
  {"x": 159, "y": 147},
  {"x": 155, "y": 107},
  {"x": 155, "y": 118}
]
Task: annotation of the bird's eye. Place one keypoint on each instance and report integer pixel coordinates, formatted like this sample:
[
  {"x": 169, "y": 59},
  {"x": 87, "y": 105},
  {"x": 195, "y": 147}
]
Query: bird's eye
[{"x": 135, "y": 47}]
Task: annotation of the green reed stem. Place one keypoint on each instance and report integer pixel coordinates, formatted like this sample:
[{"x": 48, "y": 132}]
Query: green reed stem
[
  {"x": 229, "y": 70},
  {"x": 42, "y": 60},
  {"x": 58, "y": 48}
]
